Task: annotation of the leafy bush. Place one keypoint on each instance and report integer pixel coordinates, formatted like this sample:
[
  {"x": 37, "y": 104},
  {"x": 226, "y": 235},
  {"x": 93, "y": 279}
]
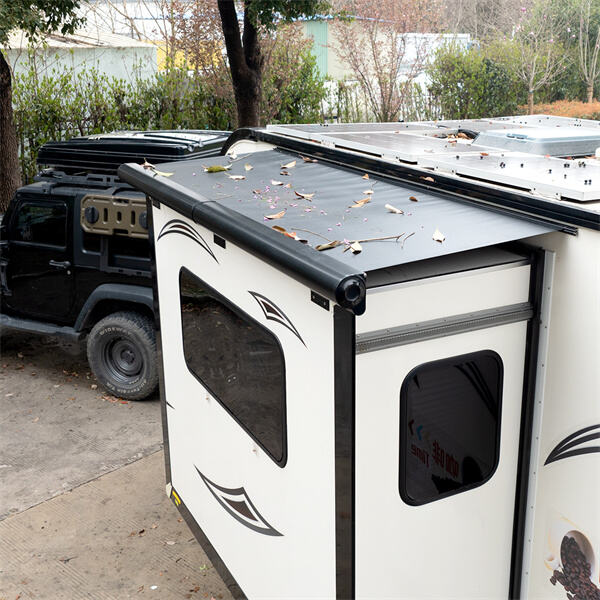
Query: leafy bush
[
  {"x": 69, "y": 103},
  {"x": 294, "y": 99},
  {"x": 469, "y": 84}
]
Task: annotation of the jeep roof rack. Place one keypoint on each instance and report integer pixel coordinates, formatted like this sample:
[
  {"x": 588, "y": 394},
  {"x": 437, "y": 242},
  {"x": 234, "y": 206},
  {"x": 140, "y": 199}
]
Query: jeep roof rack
[{"x": 103, "y": 153}]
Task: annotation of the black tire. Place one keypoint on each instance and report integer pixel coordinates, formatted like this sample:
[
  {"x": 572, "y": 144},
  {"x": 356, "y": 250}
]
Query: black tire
[{"x": 121, "y": 350}]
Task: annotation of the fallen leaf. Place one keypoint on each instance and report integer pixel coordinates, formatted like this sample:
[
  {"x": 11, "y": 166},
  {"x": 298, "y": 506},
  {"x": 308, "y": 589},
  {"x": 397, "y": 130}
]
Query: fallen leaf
[
  {"x": 237, "y": 177},
  {"x": 305, "y": 196},
  {"x": 427, "y": 178},
  {"x": 248, "y": 167},
  {"x": 355, "y": 247},
  {"x": 170, "y": 543},
  {"x": 289, "y": 165},
  {"x": 20, "y": 355},
  {"x": 147, "y": 165},
  {"x": 413, "y": 199},
  {"x": 359, "y": 203},
  {"x": 154, "y": 525},
  {"x": 284, "y": 173},
  {"x": 310, "y": 160},
  {"x": 365, "y": 176},
  {"x": 162, "y": 173},
  {"x": 287, "y": 185},
  {"x": 393, "y": 209},
  {"x": 216, "y": 168},
  {"x": 368, "y": 192},
  {"x": 275, "y": 182},
  {"x": 141, "y": 532},
  {"x": 94, "y": 386},
  {"x": 257, "y": 192},
  {"x": 276, "y": 215},
  {"x": 280, "y": 229},
  {"x": 484, "y": 153},
  {"x": 438, "y": 236},
  {"x": 328, "y": 246}
]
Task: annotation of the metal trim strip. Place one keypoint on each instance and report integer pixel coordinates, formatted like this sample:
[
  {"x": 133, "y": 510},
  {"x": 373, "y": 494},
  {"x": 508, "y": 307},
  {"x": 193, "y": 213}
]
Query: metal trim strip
[{"x": 436, "y": 328}]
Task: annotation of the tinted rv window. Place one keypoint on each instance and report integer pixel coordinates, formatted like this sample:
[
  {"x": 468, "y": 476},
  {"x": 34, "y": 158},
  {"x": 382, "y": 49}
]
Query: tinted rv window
[
  {"x": 449, "y": 426},
  {"x": 239, "y": 361}
]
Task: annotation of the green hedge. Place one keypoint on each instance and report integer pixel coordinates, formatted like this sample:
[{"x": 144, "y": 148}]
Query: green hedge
[
  {"x": 65, "y": 103},
  {"x": 469, "y": 85}
]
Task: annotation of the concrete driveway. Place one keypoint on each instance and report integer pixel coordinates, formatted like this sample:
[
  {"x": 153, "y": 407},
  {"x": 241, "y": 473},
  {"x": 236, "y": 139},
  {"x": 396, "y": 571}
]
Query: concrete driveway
[{"x": 83, "y": 511}]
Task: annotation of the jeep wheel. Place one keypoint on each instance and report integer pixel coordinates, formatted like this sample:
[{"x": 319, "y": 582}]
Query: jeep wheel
[{"x": 121, "y": 351}]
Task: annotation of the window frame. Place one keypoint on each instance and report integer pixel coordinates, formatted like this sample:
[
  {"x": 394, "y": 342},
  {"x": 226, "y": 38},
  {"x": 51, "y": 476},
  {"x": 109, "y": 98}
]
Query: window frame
[
  {"x": 24, "y": 202},
  {"x": 403, "y": 455},
  {"x": 281, "y": 462}
]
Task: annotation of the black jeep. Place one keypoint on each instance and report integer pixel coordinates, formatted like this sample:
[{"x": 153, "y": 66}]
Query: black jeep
[{"x": 74, "y": 254}]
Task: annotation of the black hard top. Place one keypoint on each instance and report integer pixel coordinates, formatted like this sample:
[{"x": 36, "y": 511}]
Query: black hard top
[
  {"x": 103, "y": 153},
  {"x": 239, "y": 210}
]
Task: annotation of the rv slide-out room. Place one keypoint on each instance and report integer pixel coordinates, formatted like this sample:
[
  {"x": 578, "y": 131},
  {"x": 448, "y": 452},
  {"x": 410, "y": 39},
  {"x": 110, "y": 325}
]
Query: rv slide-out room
[{"x": 380, "y": 357}]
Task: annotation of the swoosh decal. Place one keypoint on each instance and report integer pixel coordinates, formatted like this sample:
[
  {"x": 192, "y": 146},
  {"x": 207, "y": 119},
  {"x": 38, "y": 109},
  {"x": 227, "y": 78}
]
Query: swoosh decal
[
  {"x": 568, "y": 446},
  {"x": 182, "y": 228},
  {"x": 237, "y": 503},
  {"x": 273, "y": 313}
]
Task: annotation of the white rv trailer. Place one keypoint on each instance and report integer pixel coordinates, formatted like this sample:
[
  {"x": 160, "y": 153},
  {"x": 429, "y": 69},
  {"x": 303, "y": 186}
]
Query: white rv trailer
[{"x": 380, "y": 353}]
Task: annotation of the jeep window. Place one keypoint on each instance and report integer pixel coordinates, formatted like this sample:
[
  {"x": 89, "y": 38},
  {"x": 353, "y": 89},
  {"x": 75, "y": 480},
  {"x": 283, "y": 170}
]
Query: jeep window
[
  {"x": 121, "y": 245},
  {"x": 237, "y": 360},
  {"x": 41, "y": 224}
]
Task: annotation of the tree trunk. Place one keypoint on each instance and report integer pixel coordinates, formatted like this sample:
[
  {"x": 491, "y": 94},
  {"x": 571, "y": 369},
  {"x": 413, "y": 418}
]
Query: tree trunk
[
  {"x": 245, "y": 63},
  {"x": 590, "y": 93},
  {"x": 530, "y": 102},
  {"x": 10, "y": 178}
]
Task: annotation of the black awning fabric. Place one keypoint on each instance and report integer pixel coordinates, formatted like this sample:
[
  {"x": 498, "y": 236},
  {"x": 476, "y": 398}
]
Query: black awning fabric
[{"x": 331, "y": 212}]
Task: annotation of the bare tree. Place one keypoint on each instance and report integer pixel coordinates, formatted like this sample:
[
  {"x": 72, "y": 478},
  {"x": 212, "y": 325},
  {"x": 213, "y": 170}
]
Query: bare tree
[
  {"x": 384, "y": 48},
  {"x": 483, "y": 19},
  {"x": 541, "y": 58},
  {"x": 589, "y": 49}
]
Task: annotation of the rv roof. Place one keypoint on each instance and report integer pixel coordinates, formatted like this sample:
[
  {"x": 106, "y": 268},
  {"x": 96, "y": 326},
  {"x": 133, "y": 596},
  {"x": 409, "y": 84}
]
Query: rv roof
[{"x": 551, "y": 157}]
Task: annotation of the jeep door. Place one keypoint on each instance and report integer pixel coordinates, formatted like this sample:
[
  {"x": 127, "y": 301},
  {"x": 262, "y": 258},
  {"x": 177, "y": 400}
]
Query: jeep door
[{"x": 39, "y": 272}]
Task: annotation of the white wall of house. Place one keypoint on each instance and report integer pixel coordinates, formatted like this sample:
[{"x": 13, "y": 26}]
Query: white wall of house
[{"x": 114, "y": 55}]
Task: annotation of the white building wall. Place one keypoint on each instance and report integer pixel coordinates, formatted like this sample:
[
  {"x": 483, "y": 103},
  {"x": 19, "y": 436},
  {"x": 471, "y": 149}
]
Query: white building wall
[{"x": 123, "y": 63}]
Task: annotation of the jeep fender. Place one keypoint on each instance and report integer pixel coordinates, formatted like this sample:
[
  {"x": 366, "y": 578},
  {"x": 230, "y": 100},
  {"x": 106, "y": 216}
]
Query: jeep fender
[{"x": 132, "y": 294}]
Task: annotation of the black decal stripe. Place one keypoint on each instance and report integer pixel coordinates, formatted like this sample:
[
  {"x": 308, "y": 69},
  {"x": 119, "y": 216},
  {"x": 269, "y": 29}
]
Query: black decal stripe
[
  {"x": 575, "y": 442},
  {"x": 176, "y": 226},
  {"x": 272, "y": 312},
  {"x": 574, "y": 439},
  {"x": 572, "y": 436},
  {"x": 578, "y": 452},
  {"x": 265, "y": 528}
]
